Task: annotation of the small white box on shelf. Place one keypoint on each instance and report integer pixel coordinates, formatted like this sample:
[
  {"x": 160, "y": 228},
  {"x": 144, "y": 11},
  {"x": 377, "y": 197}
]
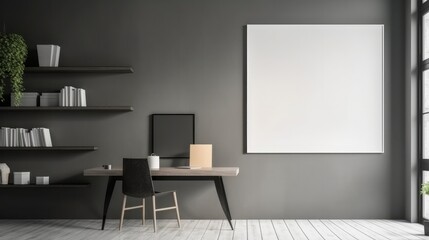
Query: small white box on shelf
[
  {"x": 42, "y": 180},
  {"x": 48, "y": 55},
  {"x": 21, "y": 178},
  {"x": 28, "y": 99},
  {"x": 49, "y": 99}
]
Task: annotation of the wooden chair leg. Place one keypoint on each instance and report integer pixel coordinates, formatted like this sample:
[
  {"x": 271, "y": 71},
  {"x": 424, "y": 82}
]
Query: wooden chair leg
[
  {"x": 124, "y": 202},
  {"x": 177, "y": 208},
  {"x": 143, "y": 212},
  {"x": 154, "y": 212}
]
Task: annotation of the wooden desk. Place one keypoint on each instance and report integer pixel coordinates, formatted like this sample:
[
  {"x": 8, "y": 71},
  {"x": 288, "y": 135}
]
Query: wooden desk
[{"x": 170, "y": 174}]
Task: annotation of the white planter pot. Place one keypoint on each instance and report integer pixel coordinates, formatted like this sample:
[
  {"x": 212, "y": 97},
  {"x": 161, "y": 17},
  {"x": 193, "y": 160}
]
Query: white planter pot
[
  {"x": 4, "y": 172},
  {"x": 49, "y": 55}
]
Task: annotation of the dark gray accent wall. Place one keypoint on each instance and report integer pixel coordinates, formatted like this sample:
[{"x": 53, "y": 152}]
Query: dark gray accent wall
[{"x": 188, "y": 57}]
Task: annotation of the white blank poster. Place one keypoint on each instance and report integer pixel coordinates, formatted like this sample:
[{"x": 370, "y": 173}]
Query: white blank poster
[{"x": 315, "y": 89}]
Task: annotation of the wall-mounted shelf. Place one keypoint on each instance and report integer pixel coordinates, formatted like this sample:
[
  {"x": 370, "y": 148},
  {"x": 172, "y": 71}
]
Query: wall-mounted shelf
[
  {"x": 64, "y": 185},
  {"x": 55, "y": 148},
  {"x": 71, "y": 109},
  {"x": 116, "y": 69}
]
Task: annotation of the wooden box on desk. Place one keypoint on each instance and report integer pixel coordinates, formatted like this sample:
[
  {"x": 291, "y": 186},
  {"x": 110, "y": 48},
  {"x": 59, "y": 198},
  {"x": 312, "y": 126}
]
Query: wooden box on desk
[{"x": 200, "y": 155}]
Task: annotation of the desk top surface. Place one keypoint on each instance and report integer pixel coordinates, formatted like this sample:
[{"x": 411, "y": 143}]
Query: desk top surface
[{"x": 168, "y": 171}]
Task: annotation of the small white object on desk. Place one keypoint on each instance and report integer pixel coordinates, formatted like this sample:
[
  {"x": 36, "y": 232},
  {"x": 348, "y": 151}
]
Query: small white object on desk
[
  {"x": 43, "y": 180},
  {"x": 153, "y": 161},
  {"x": 21, "y": 178},
  {"x": 107, "y": 167}
]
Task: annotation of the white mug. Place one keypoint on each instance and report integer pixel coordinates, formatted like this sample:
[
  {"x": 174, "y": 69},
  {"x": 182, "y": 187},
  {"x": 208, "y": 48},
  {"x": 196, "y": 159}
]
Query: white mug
[{"x": 153, "y": 161}]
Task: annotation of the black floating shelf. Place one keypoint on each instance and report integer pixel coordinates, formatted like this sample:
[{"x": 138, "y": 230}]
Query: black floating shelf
[
  {"x": 56, "y": 185},
  {"x": 121, "y": 69},
  {"x": 71, "y": 109},
  {"x": 56, "y": 148}
]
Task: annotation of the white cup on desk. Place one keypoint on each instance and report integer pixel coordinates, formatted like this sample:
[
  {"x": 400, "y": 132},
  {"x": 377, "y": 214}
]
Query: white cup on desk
[{"x": 153, "y": 161}]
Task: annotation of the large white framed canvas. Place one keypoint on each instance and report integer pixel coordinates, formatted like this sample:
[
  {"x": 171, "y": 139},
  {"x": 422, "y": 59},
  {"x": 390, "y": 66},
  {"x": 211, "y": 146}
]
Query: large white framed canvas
[{"x": 315, "y": 89}]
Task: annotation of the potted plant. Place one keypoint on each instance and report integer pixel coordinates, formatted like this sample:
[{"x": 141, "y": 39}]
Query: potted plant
[
  {"x": 13, "y": 53},
  {"x": 425, "y": 191}
]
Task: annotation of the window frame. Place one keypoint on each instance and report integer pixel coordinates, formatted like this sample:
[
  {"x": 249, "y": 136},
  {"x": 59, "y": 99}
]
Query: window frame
[{"x": 422, "y": 66}]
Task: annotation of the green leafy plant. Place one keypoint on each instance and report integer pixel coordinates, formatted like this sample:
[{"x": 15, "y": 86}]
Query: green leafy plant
[
  {"x": 425, "y": 188},
  {"x": 13, "y": 53}
]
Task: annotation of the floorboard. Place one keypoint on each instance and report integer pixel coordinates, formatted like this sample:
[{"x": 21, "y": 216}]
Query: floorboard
[
  {"x": 295, "y": 230},
  {"x": 281, "y": 229},
  {"x": 240, "y": 230},
  {"x": 252, "y": 229}
]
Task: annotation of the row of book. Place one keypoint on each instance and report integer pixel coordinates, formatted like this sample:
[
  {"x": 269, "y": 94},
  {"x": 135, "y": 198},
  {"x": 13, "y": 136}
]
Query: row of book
[
  {"x": 21, "y": 137},
  {"x": 72, "y": 97}
]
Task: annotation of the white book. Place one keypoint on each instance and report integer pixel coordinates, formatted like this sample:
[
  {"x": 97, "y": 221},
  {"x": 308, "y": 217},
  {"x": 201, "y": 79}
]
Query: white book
[
  {"x": 79, "y": 97},
  {"x": 41, "y": 138},
  {"x": 83, "y": 98},
  {"x": 27, "y": 138},
  {"x": 6, "y": 136},
  {"x": 2, "y": 142},
  {"x": 73, "y": 94},
  {"x": 61, "y": 99},
  {"x": 66, "y": 91},
  {"x": 56, "y": 55},
  {"x": 76, "y": 99},
  {"x": 64, "y": 97},
  {"x": 15, "y": 137},
  {"x": 3, "y": 137},
  {"x": 30, "y": 137},
  {"x": 36, "y": 136},
  {"x": 13, "y": 131},
  {"x": 47, "y": 137},
  {"x": 10, "y": 137},
  {"x": 21, "y": 135}
]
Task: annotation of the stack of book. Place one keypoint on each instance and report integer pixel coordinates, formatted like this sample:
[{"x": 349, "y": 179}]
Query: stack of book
[
  {"x": 20, "y": 137},
  {"x": 72, "y": 97}
]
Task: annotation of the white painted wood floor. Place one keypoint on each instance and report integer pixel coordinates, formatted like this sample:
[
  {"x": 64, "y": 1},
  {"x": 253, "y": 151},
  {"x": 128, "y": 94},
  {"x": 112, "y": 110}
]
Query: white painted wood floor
[{"x": 212, "y": 230}]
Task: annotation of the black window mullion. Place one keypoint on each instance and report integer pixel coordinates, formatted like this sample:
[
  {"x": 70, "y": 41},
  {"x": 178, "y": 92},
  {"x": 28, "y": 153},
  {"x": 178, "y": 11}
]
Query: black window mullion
[
  {"x": 425, "y": 65},
  {"x": 421, "y": 10},
  {"x": 425, "y": 7}
]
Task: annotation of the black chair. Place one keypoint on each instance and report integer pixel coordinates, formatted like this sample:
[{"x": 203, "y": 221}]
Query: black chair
[{"x": 137, "y": 182}]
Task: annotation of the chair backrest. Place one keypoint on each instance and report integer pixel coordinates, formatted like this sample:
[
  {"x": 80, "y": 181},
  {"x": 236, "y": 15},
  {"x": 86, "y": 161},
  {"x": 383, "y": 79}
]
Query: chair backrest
[{"x": 137, "y": 180}]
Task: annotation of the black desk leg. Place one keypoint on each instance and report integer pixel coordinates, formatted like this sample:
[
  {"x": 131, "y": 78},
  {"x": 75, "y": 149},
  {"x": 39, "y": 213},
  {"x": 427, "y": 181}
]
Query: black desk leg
[
  {"x": 109, "y": 192},
  {"x": 222, "y": 198}
]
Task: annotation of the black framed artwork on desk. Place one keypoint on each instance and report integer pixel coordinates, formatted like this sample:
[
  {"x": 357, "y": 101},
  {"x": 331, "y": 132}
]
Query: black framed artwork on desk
[{"x": 172, "y": 134}]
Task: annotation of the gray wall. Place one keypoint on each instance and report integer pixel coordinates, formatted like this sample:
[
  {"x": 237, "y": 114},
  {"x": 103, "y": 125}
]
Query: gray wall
[{"x": 188, "y": 58}]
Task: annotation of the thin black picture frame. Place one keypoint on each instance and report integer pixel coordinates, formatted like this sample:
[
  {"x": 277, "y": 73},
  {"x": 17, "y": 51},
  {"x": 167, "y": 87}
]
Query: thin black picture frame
[{"x": 170, "y": 114}]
